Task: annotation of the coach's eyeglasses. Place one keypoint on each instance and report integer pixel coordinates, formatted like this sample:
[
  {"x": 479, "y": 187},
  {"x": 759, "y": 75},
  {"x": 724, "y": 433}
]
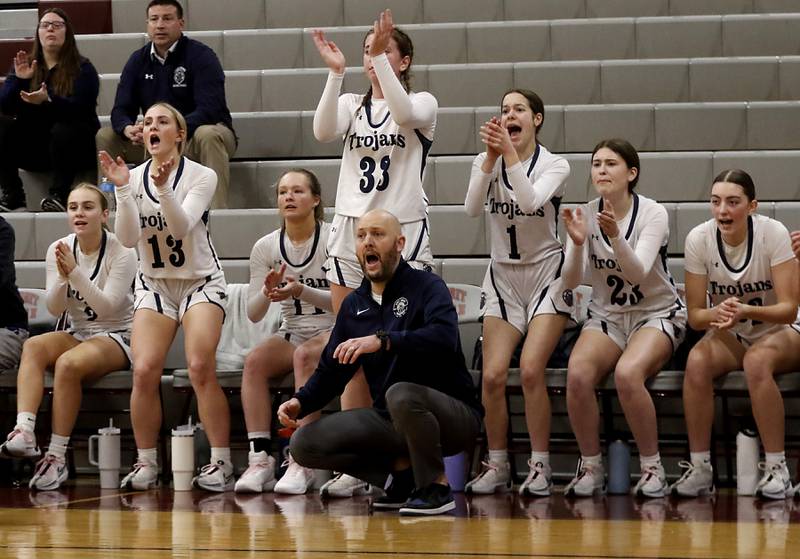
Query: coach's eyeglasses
[{"x": 55, "y": 25}]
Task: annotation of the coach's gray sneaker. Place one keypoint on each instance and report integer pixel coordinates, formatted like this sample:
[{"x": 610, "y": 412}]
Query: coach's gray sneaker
[{"x": 343, "y": 485}]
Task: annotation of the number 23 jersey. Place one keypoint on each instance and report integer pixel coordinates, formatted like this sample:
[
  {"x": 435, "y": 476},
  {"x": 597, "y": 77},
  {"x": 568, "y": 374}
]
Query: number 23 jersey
[
  {"x": 383, "y": 163},
  {"x": 611, "y": 292},
  {"x": 160, "y": 254}
]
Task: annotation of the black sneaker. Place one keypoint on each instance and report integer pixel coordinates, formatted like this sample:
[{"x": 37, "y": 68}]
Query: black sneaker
[
  {"x": 10, "y": 203},
  {"x": 398, "y": 492},
  {"x": 433, "y": 499},
  {"x": 52, "y": 204}
]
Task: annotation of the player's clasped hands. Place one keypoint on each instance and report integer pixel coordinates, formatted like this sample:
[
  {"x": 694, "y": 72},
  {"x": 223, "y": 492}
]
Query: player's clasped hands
[{"x": 728, "y": 313}]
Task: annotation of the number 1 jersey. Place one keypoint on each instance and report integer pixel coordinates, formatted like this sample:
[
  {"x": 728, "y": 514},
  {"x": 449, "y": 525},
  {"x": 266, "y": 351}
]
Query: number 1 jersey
[{"x": 160, "y": 254}]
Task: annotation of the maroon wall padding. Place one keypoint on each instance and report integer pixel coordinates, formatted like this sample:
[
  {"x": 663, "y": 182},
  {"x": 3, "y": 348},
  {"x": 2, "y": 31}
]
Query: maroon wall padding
[
  {"x": 87, "y": 16},
  {"x": 8, "y": 50}
]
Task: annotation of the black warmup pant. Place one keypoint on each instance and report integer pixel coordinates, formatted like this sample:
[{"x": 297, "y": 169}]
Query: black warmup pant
[
  {"x": 65, "y": 148},
  {"x": 425, "y": 426}
]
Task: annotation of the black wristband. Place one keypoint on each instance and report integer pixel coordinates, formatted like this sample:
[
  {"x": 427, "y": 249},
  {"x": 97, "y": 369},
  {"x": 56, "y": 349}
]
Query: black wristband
[{"x": 383, "y": 336}]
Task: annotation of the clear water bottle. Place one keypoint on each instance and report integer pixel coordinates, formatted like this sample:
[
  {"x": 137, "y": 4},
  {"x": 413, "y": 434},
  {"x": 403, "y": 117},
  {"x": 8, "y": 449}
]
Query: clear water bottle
[
  {"x": 108, "y": 189},
  {"x": 619, "y": 468}
]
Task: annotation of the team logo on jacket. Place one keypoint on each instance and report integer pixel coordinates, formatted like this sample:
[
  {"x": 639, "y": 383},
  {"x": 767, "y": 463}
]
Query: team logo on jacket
[
  {"x": 179, "y": 77},
  {"x": 400, "y": 307}
]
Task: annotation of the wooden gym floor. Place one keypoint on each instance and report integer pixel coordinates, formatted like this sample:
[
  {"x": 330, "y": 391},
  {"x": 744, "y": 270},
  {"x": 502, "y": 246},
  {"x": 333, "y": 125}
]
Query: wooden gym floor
[{"x": 83, "y": 521}]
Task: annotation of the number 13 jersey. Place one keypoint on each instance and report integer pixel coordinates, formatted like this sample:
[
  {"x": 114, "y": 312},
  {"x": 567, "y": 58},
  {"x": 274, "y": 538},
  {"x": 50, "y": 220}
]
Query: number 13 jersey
[
  {"x": 611, "y": 292},
  {"x": 383, "y": 163},
  {"x": 160, "y": 254}
]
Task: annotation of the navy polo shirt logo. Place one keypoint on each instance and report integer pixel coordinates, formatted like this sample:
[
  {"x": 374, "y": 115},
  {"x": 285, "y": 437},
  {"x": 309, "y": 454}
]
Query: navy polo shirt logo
[
  {"x": 179, "y": 77},
  {"x": 400, "y": 307}
]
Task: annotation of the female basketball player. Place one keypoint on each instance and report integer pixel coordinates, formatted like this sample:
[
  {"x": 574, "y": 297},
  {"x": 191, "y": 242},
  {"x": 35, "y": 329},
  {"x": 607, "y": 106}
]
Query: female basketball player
[
  {"x": 521, "y": 184},
  {"x": 287, "y": 266},
  {"x": 162, "y": 206},
  {"x": 387, "y": 134},
  {"x": 89, "y": 278},
  {"x": 743, "y": 262},
  {"x": 636, "y": 319}
]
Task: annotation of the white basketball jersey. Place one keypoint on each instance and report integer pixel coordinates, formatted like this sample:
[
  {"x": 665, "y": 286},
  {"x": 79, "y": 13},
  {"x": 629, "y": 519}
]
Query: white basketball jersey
[
  {"x": 97, "y": 267},
  {"x": 383, "y": 164},
  {"x": 747, "y": 275},
  {"x": 517, "y": 237},
  {"x": 611, "y": 293},
  {"x": 160, "y": 254},
  {"x": 306, "y": 263}
]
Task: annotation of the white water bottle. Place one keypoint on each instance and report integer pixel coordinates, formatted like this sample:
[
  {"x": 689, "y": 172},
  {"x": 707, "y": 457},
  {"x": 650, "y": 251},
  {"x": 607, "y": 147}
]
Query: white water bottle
[
  {"x": 107, "y": 456},
  {"x": 747, "y": 456},
  {"x": 183, "y": 457}
]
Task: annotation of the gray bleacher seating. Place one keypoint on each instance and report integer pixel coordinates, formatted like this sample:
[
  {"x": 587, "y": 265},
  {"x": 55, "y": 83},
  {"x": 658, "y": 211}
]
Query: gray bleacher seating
[
  {"x": 110, "y": 53},
  {"x": 772, "y": 125},
  {"x": 700, "y": 126},
  {"x": 676, "y": 176},
  {"x": 626, "y": 8},
  {"x": 561, "y": 83},
  {"x": 243, "y": 91},
  {"x": 470, "y": 85},
  {"x": 585, "y": 125},
  {"x": 638, "y": 81},
  {"x": 678, "y": 37},
  {"x": 734, "y": 79},
  {"x": 454, "y": 234},
  {"x": 775, "y": 173},
  {"x": 592, "y": 39},
  {"x": 788, "y": 213},
  {"x": 522, "y": 41},
  {"x": 24, "y": 235},
  {"x": 761, "y": 34},
  {"x": 235, "y": 14}
]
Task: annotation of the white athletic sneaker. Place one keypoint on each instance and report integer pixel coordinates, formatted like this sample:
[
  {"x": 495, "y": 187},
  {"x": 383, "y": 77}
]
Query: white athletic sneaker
[
  {"x": 776, "y": 482},
  {"x": 343, "y": 485},
  {"x": 142, "y": 477},
  {"x": 494, "y": 477},
  {"x": 589, "y": 480},
  {"x": 259, "y": 476},
  {"x": 695, "y": 481},
  {"x": 653, "y": 483},
  {"x": 296, "y": 481},
  {"x": 51, "y": 472},
  {"x": 217, "y": 477},
  {"x": 20, "y": 443},
  {"x": 538, "y": 482}
]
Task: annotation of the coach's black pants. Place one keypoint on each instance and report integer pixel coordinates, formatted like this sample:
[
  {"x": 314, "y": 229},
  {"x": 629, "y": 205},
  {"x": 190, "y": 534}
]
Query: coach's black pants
[{"x": 425, "y": 426}]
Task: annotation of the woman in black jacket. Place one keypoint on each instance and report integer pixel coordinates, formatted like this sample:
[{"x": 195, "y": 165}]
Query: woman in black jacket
[{"x": 50, "y": 121}]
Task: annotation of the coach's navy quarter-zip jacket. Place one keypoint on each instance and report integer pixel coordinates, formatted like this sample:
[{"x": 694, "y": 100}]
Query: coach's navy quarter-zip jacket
[{"x": 418, "y": 314}]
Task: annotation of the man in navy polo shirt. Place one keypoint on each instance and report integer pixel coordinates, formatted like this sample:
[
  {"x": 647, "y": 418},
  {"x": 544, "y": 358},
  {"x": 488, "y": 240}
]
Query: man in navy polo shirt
[
  {"x": 401, "y": 326},
  {"x": 184, "y": 73}
]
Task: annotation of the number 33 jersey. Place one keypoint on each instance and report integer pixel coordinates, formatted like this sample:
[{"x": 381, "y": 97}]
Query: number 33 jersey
[
  {"x": 161, "y": 255},
  {"x": 743, "y": 271},
  {"x": 383, "y": 163},
  {"x": 611, "y": 292}
]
